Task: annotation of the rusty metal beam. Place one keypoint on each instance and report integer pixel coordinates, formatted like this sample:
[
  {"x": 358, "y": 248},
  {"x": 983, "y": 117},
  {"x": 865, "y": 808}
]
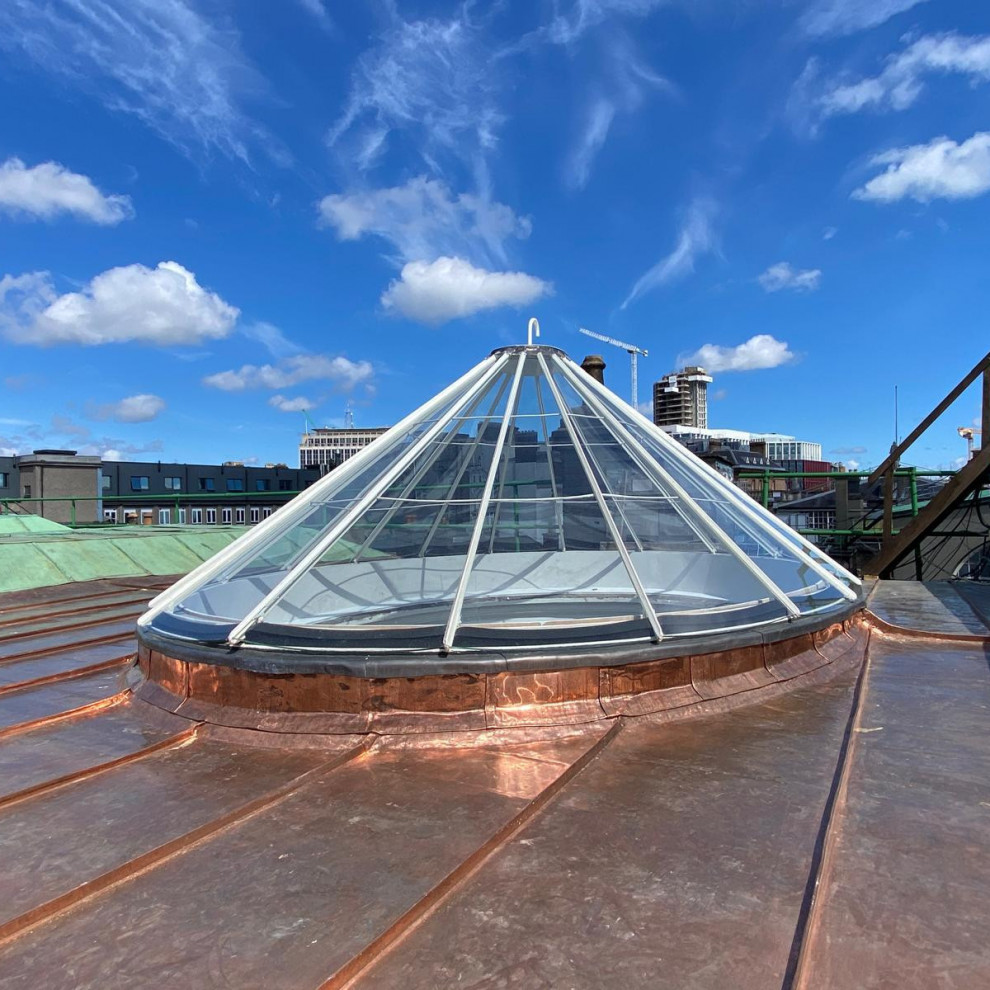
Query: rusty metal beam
[
  {"x": 982, "y": 367},
  {"x": 958, "y": 487}
]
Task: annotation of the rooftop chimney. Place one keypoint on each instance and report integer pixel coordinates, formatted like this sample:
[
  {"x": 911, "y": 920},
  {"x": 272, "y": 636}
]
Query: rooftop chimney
[{"x": 594, "y": 364}]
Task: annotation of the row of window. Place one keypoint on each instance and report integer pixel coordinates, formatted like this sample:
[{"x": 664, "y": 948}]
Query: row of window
[
  {"x": 142, "y": 483},
  {"x": 195, "y": 516}
]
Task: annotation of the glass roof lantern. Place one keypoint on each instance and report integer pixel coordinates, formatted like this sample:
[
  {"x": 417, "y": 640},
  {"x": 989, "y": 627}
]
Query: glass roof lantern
[{"x": 524, "y": 507}]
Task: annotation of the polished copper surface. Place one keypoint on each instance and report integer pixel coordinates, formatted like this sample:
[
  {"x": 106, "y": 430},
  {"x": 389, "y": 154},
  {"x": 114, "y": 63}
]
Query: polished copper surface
[
  {"x": 799, "y": 817},
  {"x": 330, "y": 703}
]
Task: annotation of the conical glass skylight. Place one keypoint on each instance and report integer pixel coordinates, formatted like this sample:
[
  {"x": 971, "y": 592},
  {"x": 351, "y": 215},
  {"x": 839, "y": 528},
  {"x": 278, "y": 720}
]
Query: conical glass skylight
[{"x": 524, "y": 507}]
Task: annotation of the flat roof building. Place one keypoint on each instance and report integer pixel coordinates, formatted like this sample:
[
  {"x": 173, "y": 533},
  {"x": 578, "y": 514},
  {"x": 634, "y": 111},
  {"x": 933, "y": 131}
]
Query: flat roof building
[{"x": 326, "y": 447}]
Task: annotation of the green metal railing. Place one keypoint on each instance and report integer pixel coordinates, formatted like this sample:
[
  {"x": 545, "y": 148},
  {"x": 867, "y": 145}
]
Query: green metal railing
[
  {"x": 173, "y": 502},
  {"x": 912, "y": 474}
]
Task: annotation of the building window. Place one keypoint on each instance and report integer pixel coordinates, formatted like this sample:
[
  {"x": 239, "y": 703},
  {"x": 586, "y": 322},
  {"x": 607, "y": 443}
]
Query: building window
[
  {"x": 226, "y": 516},
  {"x": 197, "y": 516},
  {"x": 240, "y": 517},
  {"x": 262, "y": 485},
  {"x": 235, "y": 484},
  {"x": 211, "y": 516},
  {"x": 255, "y": 514},
  {"x": 173, "y": 484},
  {"x": 207, "y": 485},
  {"x": 110, "y": 515},
  {"x": 266, "y": 512},
  {"x": 284, "y": 485},
  {"x": 164, "y": 517},
  {"x": 139, "y": 483},
  {"x": 105, "y": 482},
  {"x": 182, "y": 517},
  {"x": 27, "y": 491}
]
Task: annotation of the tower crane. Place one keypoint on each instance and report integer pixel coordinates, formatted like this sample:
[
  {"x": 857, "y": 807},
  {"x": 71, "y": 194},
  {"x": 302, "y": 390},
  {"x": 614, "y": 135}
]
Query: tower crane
[{"x": 631, "y": 349}]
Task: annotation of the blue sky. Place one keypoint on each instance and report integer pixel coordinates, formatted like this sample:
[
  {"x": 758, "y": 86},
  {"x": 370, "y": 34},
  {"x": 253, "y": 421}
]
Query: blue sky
[{"x": 214, "y": 214}]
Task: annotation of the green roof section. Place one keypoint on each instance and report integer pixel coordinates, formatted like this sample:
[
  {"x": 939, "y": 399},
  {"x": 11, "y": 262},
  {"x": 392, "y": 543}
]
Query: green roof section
[
  {"x": 38, "y": 553},
  {"x": 12, "y": 525}
]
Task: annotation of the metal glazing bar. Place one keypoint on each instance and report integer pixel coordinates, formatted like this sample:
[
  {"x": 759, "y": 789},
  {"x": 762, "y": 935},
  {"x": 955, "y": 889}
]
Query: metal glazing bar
[
  {"x": 736, "y": 496},
  {"x": 465, "y": 464},
  {"x": 701, "y": 516},
  {"x": 558, "y": 508},
  {"x": 644, "y": 598},
  {"x": 454, "y": 618},
  {"x": 279, "y": 521},
  {"x": 428, "y": 463},
  {"x": 596, "y": 463},
  {"x": 346, "y": 518}
]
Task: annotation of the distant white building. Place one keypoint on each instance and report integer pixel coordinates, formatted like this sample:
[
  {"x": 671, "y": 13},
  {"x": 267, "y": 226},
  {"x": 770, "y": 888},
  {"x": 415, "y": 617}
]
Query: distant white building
[
  {"x": 779, "y": 446},
  {"x": 326, "y": 447}
]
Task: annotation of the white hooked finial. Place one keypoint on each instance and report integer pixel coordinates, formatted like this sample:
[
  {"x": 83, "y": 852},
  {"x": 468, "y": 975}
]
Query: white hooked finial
[{"x": 533, "y": 330}]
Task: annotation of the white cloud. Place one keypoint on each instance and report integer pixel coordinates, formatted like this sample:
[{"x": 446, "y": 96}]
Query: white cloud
[
  {"x": 132, "y": 409},
  {"x": 284, "y": 404},
  {"x": 423, "y": 220},
  {"x": 344, "y": 373},
  {"x": 163, "y": 305},
  {"x": 828, "y": 233},
  {"x": 784, "y": 276},
  {"x": 48, "y": 190},
  {"x": 160, "y": 60},
  {"x": 761, "y": 351},
  {"x": 940, "y": 169},
  {"x": 449, "y": 288},
  {"x": 901, "y": 81},
  {"x": 837, "y": 17},
  {"x": 696, "y": 237},
  {"x": 851, "y": 465}
]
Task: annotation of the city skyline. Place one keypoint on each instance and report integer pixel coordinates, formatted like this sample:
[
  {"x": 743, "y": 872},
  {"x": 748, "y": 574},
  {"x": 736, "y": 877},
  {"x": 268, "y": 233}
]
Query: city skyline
[{"x": 220, "y": 216}]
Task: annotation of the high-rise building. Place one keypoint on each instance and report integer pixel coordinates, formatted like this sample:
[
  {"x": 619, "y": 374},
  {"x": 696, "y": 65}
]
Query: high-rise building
[
  {"x": 681, "y": 398},
  {"x": 327, "y": 448}
]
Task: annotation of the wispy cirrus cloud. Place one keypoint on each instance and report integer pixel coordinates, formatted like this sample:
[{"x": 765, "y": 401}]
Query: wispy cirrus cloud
[
  {"x": 164, "y": 305},
  {"x": 159, "y": 60},
  {"x": 573, "y": 20},
  {"x": 430, "y": 81},
  {"x": 50, "y": 190},
  {"x": 941, "y": 169},
  {"x": 696, "y": 237},
  {"x": 423, "y": 220},
  {"x": 837, "y": 17},
  {"x": 622, "y": 89},
  {"x": 759, "y": 352}
]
